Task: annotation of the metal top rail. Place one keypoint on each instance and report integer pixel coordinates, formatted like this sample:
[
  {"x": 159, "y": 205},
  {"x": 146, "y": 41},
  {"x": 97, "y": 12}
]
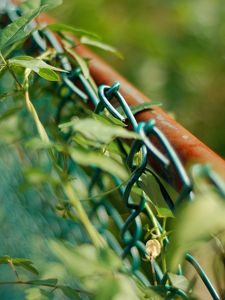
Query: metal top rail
[{"x": 189, "y": 148}]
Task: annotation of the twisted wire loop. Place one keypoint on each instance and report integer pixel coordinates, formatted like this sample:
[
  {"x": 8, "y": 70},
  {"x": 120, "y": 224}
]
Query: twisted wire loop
[{"x": 131, "y": 247}]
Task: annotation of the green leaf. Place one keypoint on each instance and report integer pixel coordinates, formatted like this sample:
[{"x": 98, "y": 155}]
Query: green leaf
[
  {"x": 195, "y": 223},
  {"x": 10, "y": 112},
  {"x": 16, "y": 30},
  {"x": 118, "y": 287},
  {"x": 48, "y": 74},
  {"x": 35, "y": 293},
  {"x": 6, "y": 95},
  {"x": 4, "y": 259},
  {"x": 42, "y": 5},
  {"x": 20, "y": 262},
  {"x": 164, "y": 212},
  {"x": 107, "y": 164},
  {"x": 138, "y": 108},
  {"x": 69, "y": 292},
  {"x": 96, "y": 130},
  {"x": 44, "y": 282},
  {"x": 25, "y": 263},
  {"x": 86, "y": 260},
  {"x": 143, "y": 106},
  {"x": 178, "y": 281},
  {"x": 34, "y": 64},
  {"x": 37, "y": 176},
  {"x": 91, "y": 42},
  {"x": 76, "y": 31},
  {"x": 81, "y": 62}
]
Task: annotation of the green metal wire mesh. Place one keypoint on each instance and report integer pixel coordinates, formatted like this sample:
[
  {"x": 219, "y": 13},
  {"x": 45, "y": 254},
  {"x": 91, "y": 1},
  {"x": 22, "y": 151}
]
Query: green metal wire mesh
[{"x": 123, "y": 234}]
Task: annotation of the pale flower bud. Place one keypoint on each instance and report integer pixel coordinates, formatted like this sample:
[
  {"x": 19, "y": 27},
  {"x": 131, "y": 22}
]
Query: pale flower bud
[{"x": 153, "y": 248}]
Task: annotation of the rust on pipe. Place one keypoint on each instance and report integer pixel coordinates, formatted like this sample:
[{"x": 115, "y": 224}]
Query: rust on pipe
[{"x": 189, "y": 149}]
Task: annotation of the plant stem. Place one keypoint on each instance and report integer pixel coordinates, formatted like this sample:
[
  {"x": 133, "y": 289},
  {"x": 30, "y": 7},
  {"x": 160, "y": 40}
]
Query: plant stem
[
  {"x": 96, "y": 238},
  {"x": 158, "y": 231},
  {"x": 164, "y": 266},
  {"x": 42, "y": 284},
  {"x": 153, "y": 219},
  {"x": 11, "y": 71},
  {"x": 153, "y": 271},
  {"x": 14, "y": 269}
]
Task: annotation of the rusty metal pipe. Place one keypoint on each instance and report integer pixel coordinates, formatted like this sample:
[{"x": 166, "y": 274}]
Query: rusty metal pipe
[{"x": 188, "y": 147}]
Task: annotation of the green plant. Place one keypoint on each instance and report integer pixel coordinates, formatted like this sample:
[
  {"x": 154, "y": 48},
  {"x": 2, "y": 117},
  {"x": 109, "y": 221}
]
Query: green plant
[{"x": 77, "y": 171}]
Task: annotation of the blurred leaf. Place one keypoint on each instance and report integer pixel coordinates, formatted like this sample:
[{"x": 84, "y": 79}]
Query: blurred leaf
[
  {"x": 178, "y": 281},
  {"x": 117, "y": 287},
  {"x": 76, "y": 31},
  {"x": 143, "y": 106},
  {"x": 97, "y": 130},
  {"x": 91, "y": 42},
  {"x": 164, "y": 212},
  {"x": 69, "y": 292},
  {"x": 86, "y": 260},
  {"x": 43, "y": 5},
  {"x": 37, "y": 294},
  {"x": 26, "y": 264},
  {"x": 4, "y": 259},
  {"x": 81, "y": 62},
  {"x": 107, "y": 164},
  {"x": 108, "y": 119},
  {"x": 15, "y": 31},
  {"x": 10, "y": 112},
  {"x": 195, "y": 223},
  {"x": 3, "y": 96},
  {"x": 44, "y": 282},
  {"x": 20, "y": 262},
  {"x": 37, "y": 144},
  {"x": 37, "y": 176},
  {"x": 37, "y": 65}
]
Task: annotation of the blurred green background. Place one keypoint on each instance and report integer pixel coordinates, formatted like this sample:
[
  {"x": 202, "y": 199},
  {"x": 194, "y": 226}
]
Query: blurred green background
[{"x": 174, "y": 52}]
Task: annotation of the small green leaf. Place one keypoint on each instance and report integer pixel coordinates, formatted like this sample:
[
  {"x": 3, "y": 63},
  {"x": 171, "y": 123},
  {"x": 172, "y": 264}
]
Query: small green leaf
[
  {"x": 4, "y": 259},
  {"x": 76, "y": 31},
  {"x": 25, "y": 263},
  {"x": 138, "y": 108},
  {"x": 164, "y": 212},
  {"x": 43, "y": 5},
  {"x": 107, "y": 164},
  {"x": 34, "y": 64},
  {"x": 91, "y": 42},
  {"x": 81, "y": 62},
  {"x": 69, "y": 292},
  {"x": 49, "y": 4},
  {"x": 44, "y": 282},
  {"x": 143, "y": 106},
  {"x": 96, "y": 130},
  {"x": 48, "y": 74},
  {"x": 20, "y": 262}
]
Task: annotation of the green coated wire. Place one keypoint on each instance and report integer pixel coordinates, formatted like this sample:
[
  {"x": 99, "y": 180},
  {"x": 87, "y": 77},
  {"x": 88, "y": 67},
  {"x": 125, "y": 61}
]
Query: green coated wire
[{"x": 190, "y": 258}]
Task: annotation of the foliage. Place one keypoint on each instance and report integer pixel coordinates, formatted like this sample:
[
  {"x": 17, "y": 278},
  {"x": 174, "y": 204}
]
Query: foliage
[
  {"x": 173, "y": 53},
  {"x": 49, "y": 213}
]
